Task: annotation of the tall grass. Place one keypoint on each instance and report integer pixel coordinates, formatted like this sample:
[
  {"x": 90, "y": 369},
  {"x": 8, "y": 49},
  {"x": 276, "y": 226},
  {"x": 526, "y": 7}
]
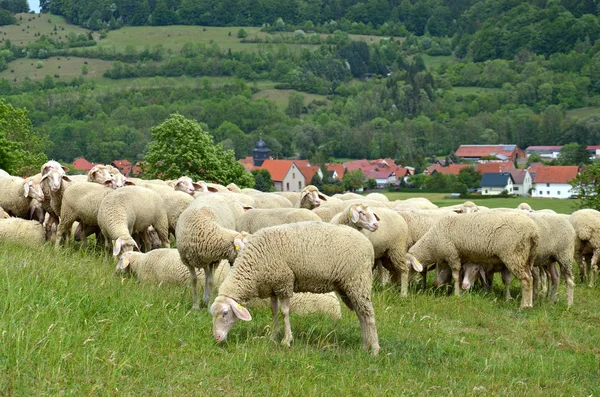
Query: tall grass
[{"x": 68, "y": 325}]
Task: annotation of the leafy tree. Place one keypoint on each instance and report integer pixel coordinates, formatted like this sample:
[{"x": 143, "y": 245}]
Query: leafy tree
[
  {"x": 587, "y": 186},
  {"x": 7, "y": 18},
  {"x": 533, "y": 158},
  {"x": 21, "y": 150},
  {"x": 354, "y": 180},
  {"x": 242, "y": 34},
  {"x": 295, "y": 104},
  {"x": 263, "y": 180},
  {"x": 316, "y": 181},
  {"x": 371, "y": 183},
  {"x": 574, "y": 154},
  {"x": 180, "y": 146},
  {"x": 470, "y": 177}
]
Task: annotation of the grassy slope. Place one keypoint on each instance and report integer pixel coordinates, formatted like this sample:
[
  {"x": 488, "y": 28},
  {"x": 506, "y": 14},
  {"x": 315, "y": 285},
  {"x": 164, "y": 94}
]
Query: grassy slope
[
  {"x": 69, "y": 325},
  {"x": 280, "y": 97},
  {"x": 65, "y": 67},
  {"x": 22, "y": 35},
  {"x": 584, "y": 112}
]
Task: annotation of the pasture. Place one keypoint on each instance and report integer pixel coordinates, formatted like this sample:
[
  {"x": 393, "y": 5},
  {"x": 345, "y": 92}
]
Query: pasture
[
  {"x": 28, "y": 25},
  {"x": 281, "y": 97},
  {"x": 66, "y": 68},
  {"x": 584, "y": 112},
  {"x": 69, "y": 325}
]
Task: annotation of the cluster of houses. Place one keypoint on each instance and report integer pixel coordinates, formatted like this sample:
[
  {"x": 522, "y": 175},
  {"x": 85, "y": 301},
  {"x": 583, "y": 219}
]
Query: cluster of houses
[{"x": 496, "y": 163}]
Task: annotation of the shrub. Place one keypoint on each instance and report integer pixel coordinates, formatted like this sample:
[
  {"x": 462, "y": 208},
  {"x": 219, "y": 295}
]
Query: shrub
[
  {"x": 242, "y": 34},
  {"x": 39, "y": 64}
]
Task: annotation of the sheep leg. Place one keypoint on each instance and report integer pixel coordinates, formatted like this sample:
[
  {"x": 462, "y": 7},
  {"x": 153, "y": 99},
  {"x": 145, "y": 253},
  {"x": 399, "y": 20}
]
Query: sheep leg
[
  {"x": 524, "y": 275},
  {"x": 455, "y": 266},
  {"x": 366, "y": 317},
  {"x": 535, "y": 273},
  {"x": 566, "y": 270},
  {"x": 424, "y": 277},
  {"x": 275, "y": 312},
  {"x": 208, "y": 283},
  {"x": 582, "y": 263},
  {"x": 194, "y": 282},
  {"x": 506, "y": 279},
  {"x": 553, "y": 287},
  {"x": 594, "y": 267},
  {"x": 287, "y": 330}
]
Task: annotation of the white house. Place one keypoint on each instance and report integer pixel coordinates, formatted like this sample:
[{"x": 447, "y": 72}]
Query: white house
[
  {"x": 383, "y": 178},
  {"x": 522, "y": 183},
  {"x": 285, "y": 174},
  {"x": 494, "y": 183},
  {"x": 553, "y": 181}
]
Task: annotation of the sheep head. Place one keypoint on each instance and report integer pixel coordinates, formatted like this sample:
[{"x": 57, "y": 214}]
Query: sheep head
[
  {"x": 187, "y": 185},
  {"x": 55, "y": 178},
  {"x": 121, "y": 245},
  {"x": 363, "y": 217},
  {"x": 123, "y": 264},
  {"x": 225, "y": 312},
  {"x": 49, "y": 165},
  {"x": 310, "y": 197}
]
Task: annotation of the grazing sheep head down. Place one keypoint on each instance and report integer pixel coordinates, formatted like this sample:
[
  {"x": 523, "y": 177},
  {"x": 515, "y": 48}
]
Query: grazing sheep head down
[
  {"x": 240, "y": 241},
  {"x": 471, "y": 272},
  {"x": 226, "y": 312},
  {"x": 122, "y": 245},
  {"x": 123, "y": 265},
  {"x": 364, "y": 217},
  {"x": 55, "y": 179},
  {"x": 33, "y": 190},
  {"x": 312, "y": 194}
]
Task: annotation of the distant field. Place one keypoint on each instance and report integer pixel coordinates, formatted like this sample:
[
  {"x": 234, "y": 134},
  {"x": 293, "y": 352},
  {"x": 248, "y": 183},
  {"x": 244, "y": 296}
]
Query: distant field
[
  {"x": 433, "y": 62},
  {"x": 370, "y": 39},
  {"x": 584, "y": 112},
  {"x": 64, "y": 67},
  {"x": 31, "y": 24},
  {"x": 280, "y": 97},
  {"x": 560, "y": 206}
]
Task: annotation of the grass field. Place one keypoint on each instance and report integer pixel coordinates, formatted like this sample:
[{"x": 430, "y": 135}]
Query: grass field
[
  {"x": 31, "y": 24},
  {"x": 474, "y": 90},
  {"x": 560, "y": 206},
  {"x": 432, "y": 62},
  {"x": 65, "y": 67},
  {"x": 280, "y": 97},
  {"x": 584, "y": 112},
  {"x": 68, "y": 325}
]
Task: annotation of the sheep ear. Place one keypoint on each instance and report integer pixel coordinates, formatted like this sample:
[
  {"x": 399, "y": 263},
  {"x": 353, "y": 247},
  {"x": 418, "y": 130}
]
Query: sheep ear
[
  {"x": 117, "y": 246},
  {"x": 129, "y": 183},
  {"x": 458, "y": 211},
  {"x": 26, "y": 187},
  {"x": 322, "y": 197},
  {"x": 65, "y": 169},
  {"x": 197, "y": 186},
  {"x": 414, "y": 263},
  {"x": 482, "y": 274},
  {"x": 136, "y": 247},
  {"x": 212, "y": 189},
  {"x": 240, "y": 311},
  {"x": 354, "y": 215},
  {"x": 108, "y": 182},
  {"x": 376, "y": 217},
  {"x": 66, "y": 178},
  {"x": 247, "y": 207},
  {"x": 123, "y": 263}
]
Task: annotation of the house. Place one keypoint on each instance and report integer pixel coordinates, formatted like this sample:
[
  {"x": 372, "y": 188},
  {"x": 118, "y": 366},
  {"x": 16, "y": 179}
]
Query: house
[
  {"x": 337, "y": 170},
  {"x": 81, "y": 164},
  {"x": 354, "y": 165},
  {"x": 452, "y": 169},
  {"x": 383, "y": 178},
  {"x": 285, "y": 174},
  {"x": 545, "y": 152},
  {"x": 122, "y": 165},
  {"x": 493, "y": 183},
  {"x": 309, "y": 171},
  {"x": 496, "y": 166},
  {"x": 500, "y": 152},
  {"x": 522, "y": 180},
  {"x": 553, "y": 181}
]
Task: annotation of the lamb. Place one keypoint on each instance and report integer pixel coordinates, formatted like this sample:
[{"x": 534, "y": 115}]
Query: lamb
[
  {"x": 388, "y": 232},
  {"x": 17, "y": 193},
  {"x": 256, "y": 219},
  {"x": 205, "y": 235},
  {"x": 488, "y": 238},
  {"x": 128, "y": 210},
  {"x": 586, "y": 223},
  {"x": 281, "y": 260},
  {"x": 472, "y": 271},
  {"x": 22, "y": 231}
]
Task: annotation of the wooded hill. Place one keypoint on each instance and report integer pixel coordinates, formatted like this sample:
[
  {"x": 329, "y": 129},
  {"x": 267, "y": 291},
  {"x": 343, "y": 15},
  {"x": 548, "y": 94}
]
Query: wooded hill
[{"x": 523, "y": 72}]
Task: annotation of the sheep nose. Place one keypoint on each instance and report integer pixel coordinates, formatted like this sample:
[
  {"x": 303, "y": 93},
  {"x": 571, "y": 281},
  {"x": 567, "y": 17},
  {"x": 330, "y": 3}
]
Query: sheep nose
[
  {"x": 465, "y": 286},
  {"x": 436, "y": 283}
]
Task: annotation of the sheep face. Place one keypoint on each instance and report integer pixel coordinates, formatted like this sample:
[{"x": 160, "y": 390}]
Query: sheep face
[
  {"x": 311, "y": 196},
  {"x": 99, "y": 174},
  {"x": 33, "y": 190},
  {"x": 123, "y": 265},
  {"x": 471, "y": 273},
  {"x": 226, "y": 312},
  {"x": 187, "y": 185},
  {"x": 443, "y": 275},
  {"x": 240, "y": 241},
  {"x": 55, "y": 178},
  {"x": 53, "y": 165},
  {"x": 363, "y": 217},
  {"x": 122, "y": 245}
]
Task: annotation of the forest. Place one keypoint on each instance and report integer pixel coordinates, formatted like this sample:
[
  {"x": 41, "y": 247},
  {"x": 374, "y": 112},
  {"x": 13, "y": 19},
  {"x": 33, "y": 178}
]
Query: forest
[{"x": 508, "y": 72}]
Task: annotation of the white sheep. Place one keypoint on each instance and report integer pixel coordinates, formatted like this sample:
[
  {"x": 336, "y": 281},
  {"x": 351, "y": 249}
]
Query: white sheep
[
  {"x": 269, "y": 200},
  {"x": 256, "y": 219},
  {"x": 281, "y": 260},
  {"x": 510, "y": 238},
  {"x": 129, "y": 210},
  {"x": 22, "y": 231},
  {"x": 377, "y": 197},
  {"x": 17, "y": 193},
  {"x": 348, "y": 196},
  {"x": 310, "y": 198},
  {"x": 586, "y": 223},
  {"x": 3, "y": 214},
  {"x": 388, "y": 232},
  {"x": 205, "y": 235}
]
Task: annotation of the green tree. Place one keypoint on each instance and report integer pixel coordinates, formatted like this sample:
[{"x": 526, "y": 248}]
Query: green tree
[
  {"x": 21, "y": 150},
  {"x": 354, "y": 180},
  {"x": 316, "y": 181},
  {"x": 587, "y": 186},
  {"x": 242, "y": 34},
  {"x": 470, "y": 177},
  {"x": 180, "y": 146},
  {"x": 263, "y": 180},
  {"x": 533, "y": 158},
  {"x": 574, "y": 154},
  {"x": 295, "y": 104}
]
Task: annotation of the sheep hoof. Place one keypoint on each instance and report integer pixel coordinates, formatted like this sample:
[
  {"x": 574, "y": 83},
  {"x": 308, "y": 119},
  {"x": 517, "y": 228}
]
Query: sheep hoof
[
  {"x": 286, "y": 343},
  {"x": 196, "y": 307}
]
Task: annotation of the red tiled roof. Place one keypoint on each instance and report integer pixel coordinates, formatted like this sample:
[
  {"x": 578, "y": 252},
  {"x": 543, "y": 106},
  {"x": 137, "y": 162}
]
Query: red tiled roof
[
  {"x": 593, "y": 147},
  {"x": 82, "y": 164},
  {"x": 518, "y": 176},
  {"x": 485, "y": 150},
  {"x": 277, "y": 168},
  {"x": 372, "y": 174},
  {"x": 358, "y": 164},
  {"x": 495, "y": 167},
  {"x": 338, "y": 168},
  {"x": 556, "y": 174},
  {"x": 452, "y": 169},
  {"x": 535, "y": 166},
  {"x": 302, "y": 163},
  {"x": 123, "y": 165},
  {"x": 307, "y": 171}
]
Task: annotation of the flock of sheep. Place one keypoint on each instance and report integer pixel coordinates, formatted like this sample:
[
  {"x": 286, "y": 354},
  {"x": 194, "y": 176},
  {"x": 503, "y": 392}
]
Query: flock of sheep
[{"x": 300, "y": 250}]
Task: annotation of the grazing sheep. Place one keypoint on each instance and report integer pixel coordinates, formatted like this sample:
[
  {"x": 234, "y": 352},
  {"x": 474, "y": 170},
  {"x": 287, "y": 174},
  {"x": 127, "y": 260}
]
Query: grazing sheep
[
  {"x": 377, "y": 197},
  {"x": 256, "y": 219},
  {"x": 129, "y": 210},
  {"x": 205, "y": 235},
  {"x": 326, "y": 213},
  {"x": 488, "y": 238},
  {"x": 349, "y": 196},
  {"x": 281, "y": 260},
  {"x": 22, "y": 231},
  {"x": 470, "y": 272},
  {"x": 586, "y": 223},
  {"x": 387, "y": 231},
  {"x": 17, "y": 193}
]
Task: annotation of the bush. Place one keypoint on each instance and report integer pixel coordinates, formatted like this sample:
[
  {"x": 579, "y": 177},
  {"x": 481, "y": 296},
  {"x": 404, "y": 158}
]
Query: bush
[
  {"x": 39, "y": 64},
  {"x": 242, "y": 34}
]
